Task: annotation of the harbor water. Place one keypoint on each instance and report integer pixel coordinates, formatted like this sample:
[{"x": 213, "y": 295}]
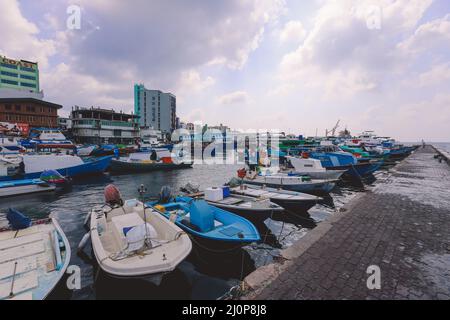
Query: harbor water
[{"x": 195, "y": 278}]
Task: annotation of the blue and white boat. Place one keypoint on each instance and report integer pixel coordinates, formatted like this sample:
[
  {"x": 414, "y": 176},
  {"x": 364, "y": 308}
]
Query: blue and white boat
[
  {"x": 333, "y": 158},
  {"x": 34, "y": 257},
  {"x": 10, "y": 145},
  {"x": 212, "y": 228},
  {"x": 46, "y": 138},
  {"x": 31, "y": 166},
  {"x": 24, "y": 186}
]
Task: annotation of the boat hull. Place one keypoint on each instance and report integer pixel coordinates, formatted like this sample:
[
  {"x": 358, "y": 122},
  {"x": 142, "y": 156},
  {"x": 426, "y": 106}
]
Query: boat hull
[
  {"x": 289, "y": 200},
  {"x": 312, "y": 188},
  {"x": 292, "y": 205},
  {"x": 323, "y": 175},
  {"x": 125, "y": 167},
  {"x": 358, "y": 170},
  {"x": 251, "y": 214},
  {"x": 94, "y": 166},
  {"x": 25, "y": 189}
]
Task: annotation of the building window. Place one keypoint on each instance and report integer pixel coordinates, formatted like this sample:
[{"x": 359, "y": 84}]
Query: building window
[
  {"x": 10, "y": 74},
  {"x": 10, "y": 82},
  {"x": 23, "y": 76},
  {"x": 8, "y": 107},
  {"x": 27, "y": 69},
  {"x": 30, "y": 85},
  {"x": 6, "y": 65},
  {"x": 17, "y": 107}
]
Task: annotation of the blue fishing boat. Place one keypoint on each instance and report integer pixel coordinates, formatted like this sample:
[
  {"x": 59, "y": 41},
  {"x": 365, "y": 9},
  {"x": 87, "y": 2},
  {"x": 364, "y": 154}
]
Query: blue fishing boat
[
  {"x": 212, "y": 228},
  {"x": 30, "y": 166}
]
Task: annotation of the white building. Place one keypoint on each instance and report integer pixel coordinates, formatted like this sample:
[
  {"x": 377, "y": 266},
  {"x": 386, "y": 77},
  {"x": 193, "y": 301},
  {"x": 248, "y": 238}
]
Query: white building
[
  {"x": 155, "y": 109},
  {"x": 97, "y": 126}
]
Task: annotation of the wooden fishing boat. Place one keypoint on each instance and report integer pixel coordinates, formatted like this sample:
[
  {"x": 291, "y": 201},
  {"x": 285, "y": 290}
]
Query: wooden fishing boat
[
  {"x": 133, "y": 241},
  {"x": 250, "y": 208},
  {"x": 32, "y": 260},
  {"x": 292, "y": 182},
  {"x": 291, "y": 200}
]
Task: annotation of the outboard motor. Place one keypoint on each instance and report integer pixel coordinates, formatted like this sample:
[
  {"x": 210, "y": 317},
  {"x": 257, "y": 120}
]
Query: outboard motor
[
  {"x": 113, "y": 196},
  {"x": 165, "y": 194}
]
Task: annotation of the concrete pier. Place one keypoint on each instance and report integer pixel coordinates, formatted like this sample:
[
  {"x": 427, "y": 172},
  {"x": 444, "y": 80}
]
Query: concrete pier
[
  {"x": 443, "y": 154},
  {"x": 401, "y": 226}
]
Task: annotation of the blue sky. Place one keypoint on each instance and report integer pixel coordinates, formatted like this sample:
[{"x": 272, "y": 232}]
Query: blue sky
[{"x": 297, "y": 66}]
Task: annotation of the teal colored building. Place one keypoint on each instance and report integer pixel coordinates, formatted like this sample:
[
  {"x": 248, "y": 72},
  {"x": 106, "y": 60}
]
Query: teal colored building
[
  {"x": 155, "y": 109},
  {"x": 19, "y": 74}
]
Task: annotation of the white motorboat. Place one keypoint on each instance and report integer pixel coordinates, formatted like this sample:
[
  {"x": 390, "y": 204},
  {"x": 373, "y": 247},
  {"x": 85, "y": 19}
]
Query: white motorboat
[
  {"x": 313, "y": 168},
  {"x": 32, "y": 260},
  {"x": 133, "y": 241}
]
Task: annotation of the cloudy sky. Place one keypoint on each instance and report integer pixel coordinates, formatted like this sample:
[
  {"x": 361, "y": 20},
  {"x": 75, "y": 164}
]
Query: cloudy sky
[{"x": 293, "y": 65}]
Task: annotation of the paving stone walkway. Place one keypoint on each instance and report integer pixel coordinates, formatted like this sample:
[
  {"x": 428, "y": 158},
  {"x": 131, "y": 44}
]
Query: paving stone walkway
[{"x": 402, "y": 226}]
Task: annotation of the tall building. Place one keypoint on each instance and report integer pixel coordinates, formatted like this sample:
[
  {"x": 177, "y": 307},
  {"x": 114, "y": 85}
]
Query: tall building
[
  {"x": 155, "y": 109},
  {"x": 19, "y": 74}
]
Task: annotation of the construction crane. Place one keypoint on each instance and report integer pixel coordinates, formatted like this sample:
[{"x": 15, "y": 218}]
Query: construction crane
[{"x": 332, "y": 131}]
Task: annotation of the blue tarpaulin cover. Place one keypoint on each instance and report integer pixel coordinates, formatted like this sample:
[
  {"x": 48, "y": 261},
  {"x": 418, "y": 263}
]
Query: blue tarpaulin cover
[{"x": 17, "y": 220}]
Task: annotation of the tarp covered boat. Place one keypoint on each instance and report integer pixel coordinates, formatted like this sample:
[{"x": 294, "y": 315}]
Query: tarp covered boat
[{"x": 214, "y": 229}]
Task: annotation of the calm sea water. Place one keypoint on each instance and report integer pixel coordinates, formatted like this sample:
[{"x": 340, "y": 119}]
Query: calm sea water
[
  {"x": 442, "y": 145},
  {"x": 197, "y": 277}
]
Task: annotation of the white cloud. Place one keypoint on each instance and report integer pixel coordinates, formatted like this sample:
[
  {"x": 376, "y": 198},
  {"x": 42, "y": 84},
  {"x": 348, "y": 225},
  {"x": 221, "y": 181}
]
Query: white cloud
[
  {"x": 437, "y": 75},
  {"x": 342, "y": 56},
  {"x": 237, "y": 97},
  {"x": 431, "y": 35},
  {"x": 293, "y": 31},
  {"x": 19, "y": 37},
  {"x": 191, "y": 81}
]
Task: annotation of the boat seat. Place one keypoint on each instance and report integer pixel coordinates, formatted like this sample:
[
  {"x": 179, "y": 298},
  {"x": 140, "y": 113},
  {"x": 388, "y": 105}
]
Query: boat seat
[
  {"x": 122, "y": 222},
  {"x": 202, "y": 215}
]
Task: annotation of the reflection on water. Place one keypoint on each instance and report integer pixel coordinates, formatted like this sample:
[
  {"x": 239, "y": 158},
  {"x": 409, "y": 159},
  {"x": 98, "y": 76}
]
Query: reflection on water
[{"x": 199, "y": 276}]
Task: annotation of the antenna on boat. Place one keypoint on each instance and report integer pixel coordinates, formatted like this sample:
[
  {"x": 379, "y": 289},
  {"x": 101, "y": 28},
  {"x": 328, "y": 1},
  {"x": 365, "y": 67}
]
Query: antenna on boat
[{"x": 142, "y": 190}]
